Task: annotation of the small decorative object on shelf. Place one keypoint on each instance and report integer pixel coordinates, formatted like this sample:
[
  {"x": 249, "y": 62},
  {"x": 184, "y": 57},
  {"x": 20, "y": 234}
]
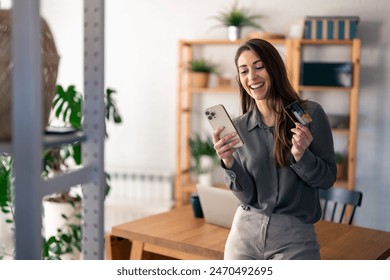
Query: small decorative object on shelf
[
  {"x": 340, "y": 163},
  {"x": 200, "y": 72},
  {"x": 223, "y": 81},
  {"x": 337, "y": 74},
  {"x": 331, "y": 27},
  {"x": 50, "y": 59},
  {"x": 235, "y": 18},
  {"x": 338, "y": 121}
]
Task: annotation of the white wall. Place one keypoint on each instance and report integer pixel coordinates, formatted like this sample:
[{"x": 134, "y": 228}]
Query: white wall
[{"x": 141, "y": 64}]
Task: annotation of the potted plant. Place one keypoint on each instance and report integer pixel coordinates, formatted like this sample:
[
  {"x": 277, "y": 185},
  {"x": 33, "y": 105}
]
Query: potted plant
[
  {"x": 204, "y": 158},
  {"x": 340, "y": 160},
  {"x": 66, "y": 236},
  {"x": 200, "y": 69},
  {"x": 235, "y": 18},
  {"x": 6, "y": 203},
  {"x": 64, "y": 241}
]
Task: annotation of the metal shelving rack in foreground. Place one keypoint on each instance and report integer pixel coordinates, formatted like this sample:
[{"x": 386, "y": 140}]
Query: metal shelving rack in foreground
[{"x": 28, "y": 140}]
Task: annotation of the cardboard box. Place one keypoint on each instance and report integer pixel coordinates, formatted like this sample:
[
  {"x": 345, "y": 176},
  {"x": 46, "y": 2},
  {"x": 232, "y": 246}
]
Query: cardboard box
[{"x": 328, "y": 27}]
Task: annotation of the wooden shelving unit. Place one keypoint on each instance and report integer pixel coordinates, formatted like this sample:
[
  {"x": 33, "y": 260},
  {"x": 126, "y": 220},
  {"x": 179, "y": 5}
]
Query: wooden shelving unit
[
  {"x": 353, "y": 92},
  {"x": 293, "y": 59}
]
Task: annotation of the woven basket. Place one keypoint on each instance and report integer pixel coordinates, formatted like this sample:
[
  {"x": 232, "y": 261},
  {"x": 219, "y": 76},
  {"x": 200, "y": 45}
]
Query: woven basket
[{"x": 49, "y": 73}]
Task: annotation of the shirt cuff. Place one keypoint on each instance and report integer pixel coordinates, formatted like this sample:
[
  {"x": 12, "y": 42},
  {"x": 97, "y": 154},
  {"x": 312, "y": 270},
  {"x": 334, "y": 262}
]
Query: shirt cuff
[
  {"x": 305, "y": 164},
  {"x": 232, "y": 174}
]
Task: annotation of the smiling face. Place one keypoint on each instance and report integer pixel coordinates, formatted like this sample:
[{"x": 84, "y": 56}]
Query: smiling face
[{"x": 253, "y": 76}]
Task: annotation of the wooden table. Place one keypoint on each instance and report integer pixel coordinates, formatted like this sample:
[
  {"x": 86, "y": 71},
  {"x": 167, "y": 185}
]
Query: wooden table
[{"x": 177, "y": 234}]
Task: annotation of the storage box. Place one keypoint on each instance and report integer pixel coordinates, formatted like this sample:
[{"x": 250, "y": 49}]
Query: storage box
[
  {"x": 328, "y": 27},
  {"x": 326, "y": 74}
]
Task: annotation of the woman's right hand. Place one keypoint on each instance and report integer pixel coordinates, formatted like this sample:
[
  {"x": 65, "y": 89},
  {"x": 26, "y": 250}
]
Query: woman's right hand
[{"x": 224, "y": 147}]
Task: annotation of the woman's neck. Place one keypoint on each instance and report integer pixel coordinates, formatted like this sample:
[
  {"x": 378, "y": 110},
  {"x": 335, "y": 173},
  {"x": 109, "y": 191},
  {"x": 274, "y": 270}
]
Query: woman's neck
[{"x": 267, "y": 115}]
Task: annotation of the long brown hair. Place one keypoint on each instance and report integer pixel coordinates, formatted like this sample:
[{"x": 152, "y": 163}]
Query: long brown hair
[{"x": 280, "y": 94}]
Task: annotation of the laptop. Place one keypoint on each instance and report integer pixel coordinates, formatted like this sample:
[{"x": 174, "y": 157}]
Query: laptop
[{"x": 218, "y": 205}]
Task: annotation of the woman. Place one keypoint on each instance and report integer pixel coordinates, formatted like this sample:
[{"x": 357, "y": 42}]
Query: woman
[{"x": 276, "y": 174}]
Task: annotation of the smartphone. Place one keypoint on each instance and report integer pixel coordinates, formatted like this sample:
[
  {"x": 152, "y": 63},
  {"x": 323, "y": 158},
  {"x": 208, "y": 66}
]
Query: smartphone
[
  {"x": 217, "y": 117},
  {"x": 296, "y": 112}
]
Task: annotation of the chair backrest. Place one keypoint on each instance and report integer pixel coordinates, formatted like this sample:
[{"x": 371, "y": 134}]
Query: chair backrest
[{"x": 339, "y": 197}]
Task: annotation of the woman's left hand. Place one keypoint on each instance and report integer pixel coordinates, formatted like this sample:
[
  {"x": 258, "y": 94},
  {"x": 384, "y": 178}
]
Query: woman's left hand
[{"x": 301, "y": 140}]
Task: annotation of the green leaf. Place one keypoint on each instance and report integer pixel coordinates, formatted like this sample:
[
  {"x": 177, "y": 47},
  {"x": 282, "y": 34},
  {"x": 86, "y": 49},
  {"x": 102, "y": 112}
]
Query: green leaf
[
  {"x": 111, "y": 110},
  {"x": 68, "y": 105},
  {"x": 200, "y": 147},
  {"x": 201, "y": 65},
  {"x": 66, "y": 238},
  {"x": 6, "y": 165}
]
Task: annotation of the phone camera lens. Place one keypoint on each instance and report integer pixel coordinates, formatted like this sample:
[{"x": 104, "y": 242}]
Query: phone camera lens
[
  {"x": 209, "y": 117},
  {"x": 212, "y": 114},
  {"x": 207, "y": 113}
]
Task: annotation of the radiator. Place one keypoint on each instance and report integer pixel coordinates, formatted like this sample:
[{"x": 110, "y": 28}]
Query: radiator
[{"x": 136, "y": 194}]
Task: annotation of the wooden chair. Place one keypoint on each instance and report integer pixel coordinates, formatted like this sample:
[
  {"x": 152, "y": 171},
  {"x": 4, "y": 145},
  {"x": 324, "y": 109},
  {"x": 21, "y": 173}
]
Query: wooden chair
[{"x": 338, "y": 199}]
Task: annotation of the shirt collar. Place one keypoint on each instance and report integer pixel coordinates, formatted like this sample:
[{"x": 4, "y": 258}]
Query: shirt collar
[{"x": 254, "y": 119}]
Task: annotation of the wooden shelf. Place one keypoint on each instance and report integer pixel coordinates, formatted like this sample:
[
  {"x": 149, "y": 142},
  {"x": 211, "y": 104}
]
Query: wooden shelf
[
  {"x": 342, "y": 184},
  {"x": 323, "y": 88},
  {"x": 344, "y": 131},
  {"x": 325, "y": 42},
  {"x": 215, "y": 90},
  {"x": 191, "y": 43}
]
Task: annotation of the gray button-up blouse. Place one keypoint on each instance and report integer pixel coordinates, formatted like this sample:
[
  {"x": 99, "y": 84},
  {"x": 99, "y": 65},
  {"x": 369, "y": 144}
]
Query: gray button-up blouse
[{"x": 293, "y": 190}]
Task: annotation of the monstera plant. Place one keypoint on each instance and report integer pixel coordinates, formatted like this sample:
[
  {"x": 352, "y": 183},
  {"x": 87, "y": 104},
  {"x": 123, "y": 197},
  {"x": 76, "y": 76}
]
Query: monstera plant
[{"x": 67, "y": 109}]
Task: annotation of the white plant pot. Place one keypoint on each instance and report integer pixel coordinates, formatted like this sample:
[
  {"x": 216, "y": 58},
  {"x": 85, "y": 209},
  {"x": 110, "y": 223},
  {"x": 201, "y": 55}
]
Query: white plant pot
[
  {"x": 206, "y": 163},
  {"x": 234, "y": 33},
  {"x": 6, "y": 237},
  {"x": 205, "y": 179},
  {"x": 53, "y": 220}
]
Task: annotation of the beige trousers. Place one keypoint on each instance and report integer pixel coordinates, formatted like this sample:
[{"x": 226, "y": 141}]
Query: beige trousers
[{"x": 254, "y": 236}]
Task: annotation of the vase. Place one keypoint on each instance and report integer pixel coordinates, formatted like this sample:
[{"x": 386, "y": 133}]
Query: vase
[
  {"x": 234, "y": 33},
  {"x": 50, "y": 62},
  {"x": 196, "y": 206},
  {"x": 206, "y": 164},
  {"x": 199, "y": 79},
  {"x": 205, "y": 179},
  {"x": 340, "y": 171},
  {"x": 53, "y": 221}
]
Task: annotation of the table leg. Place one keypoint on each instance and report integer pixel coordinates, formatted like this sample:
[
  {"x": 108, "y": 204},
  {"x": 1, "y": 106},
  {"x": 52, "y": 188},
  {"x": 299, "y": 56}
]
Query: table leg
[
  {"x": 108, "y": 247},
  {"x": 137, "y": 248}
]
